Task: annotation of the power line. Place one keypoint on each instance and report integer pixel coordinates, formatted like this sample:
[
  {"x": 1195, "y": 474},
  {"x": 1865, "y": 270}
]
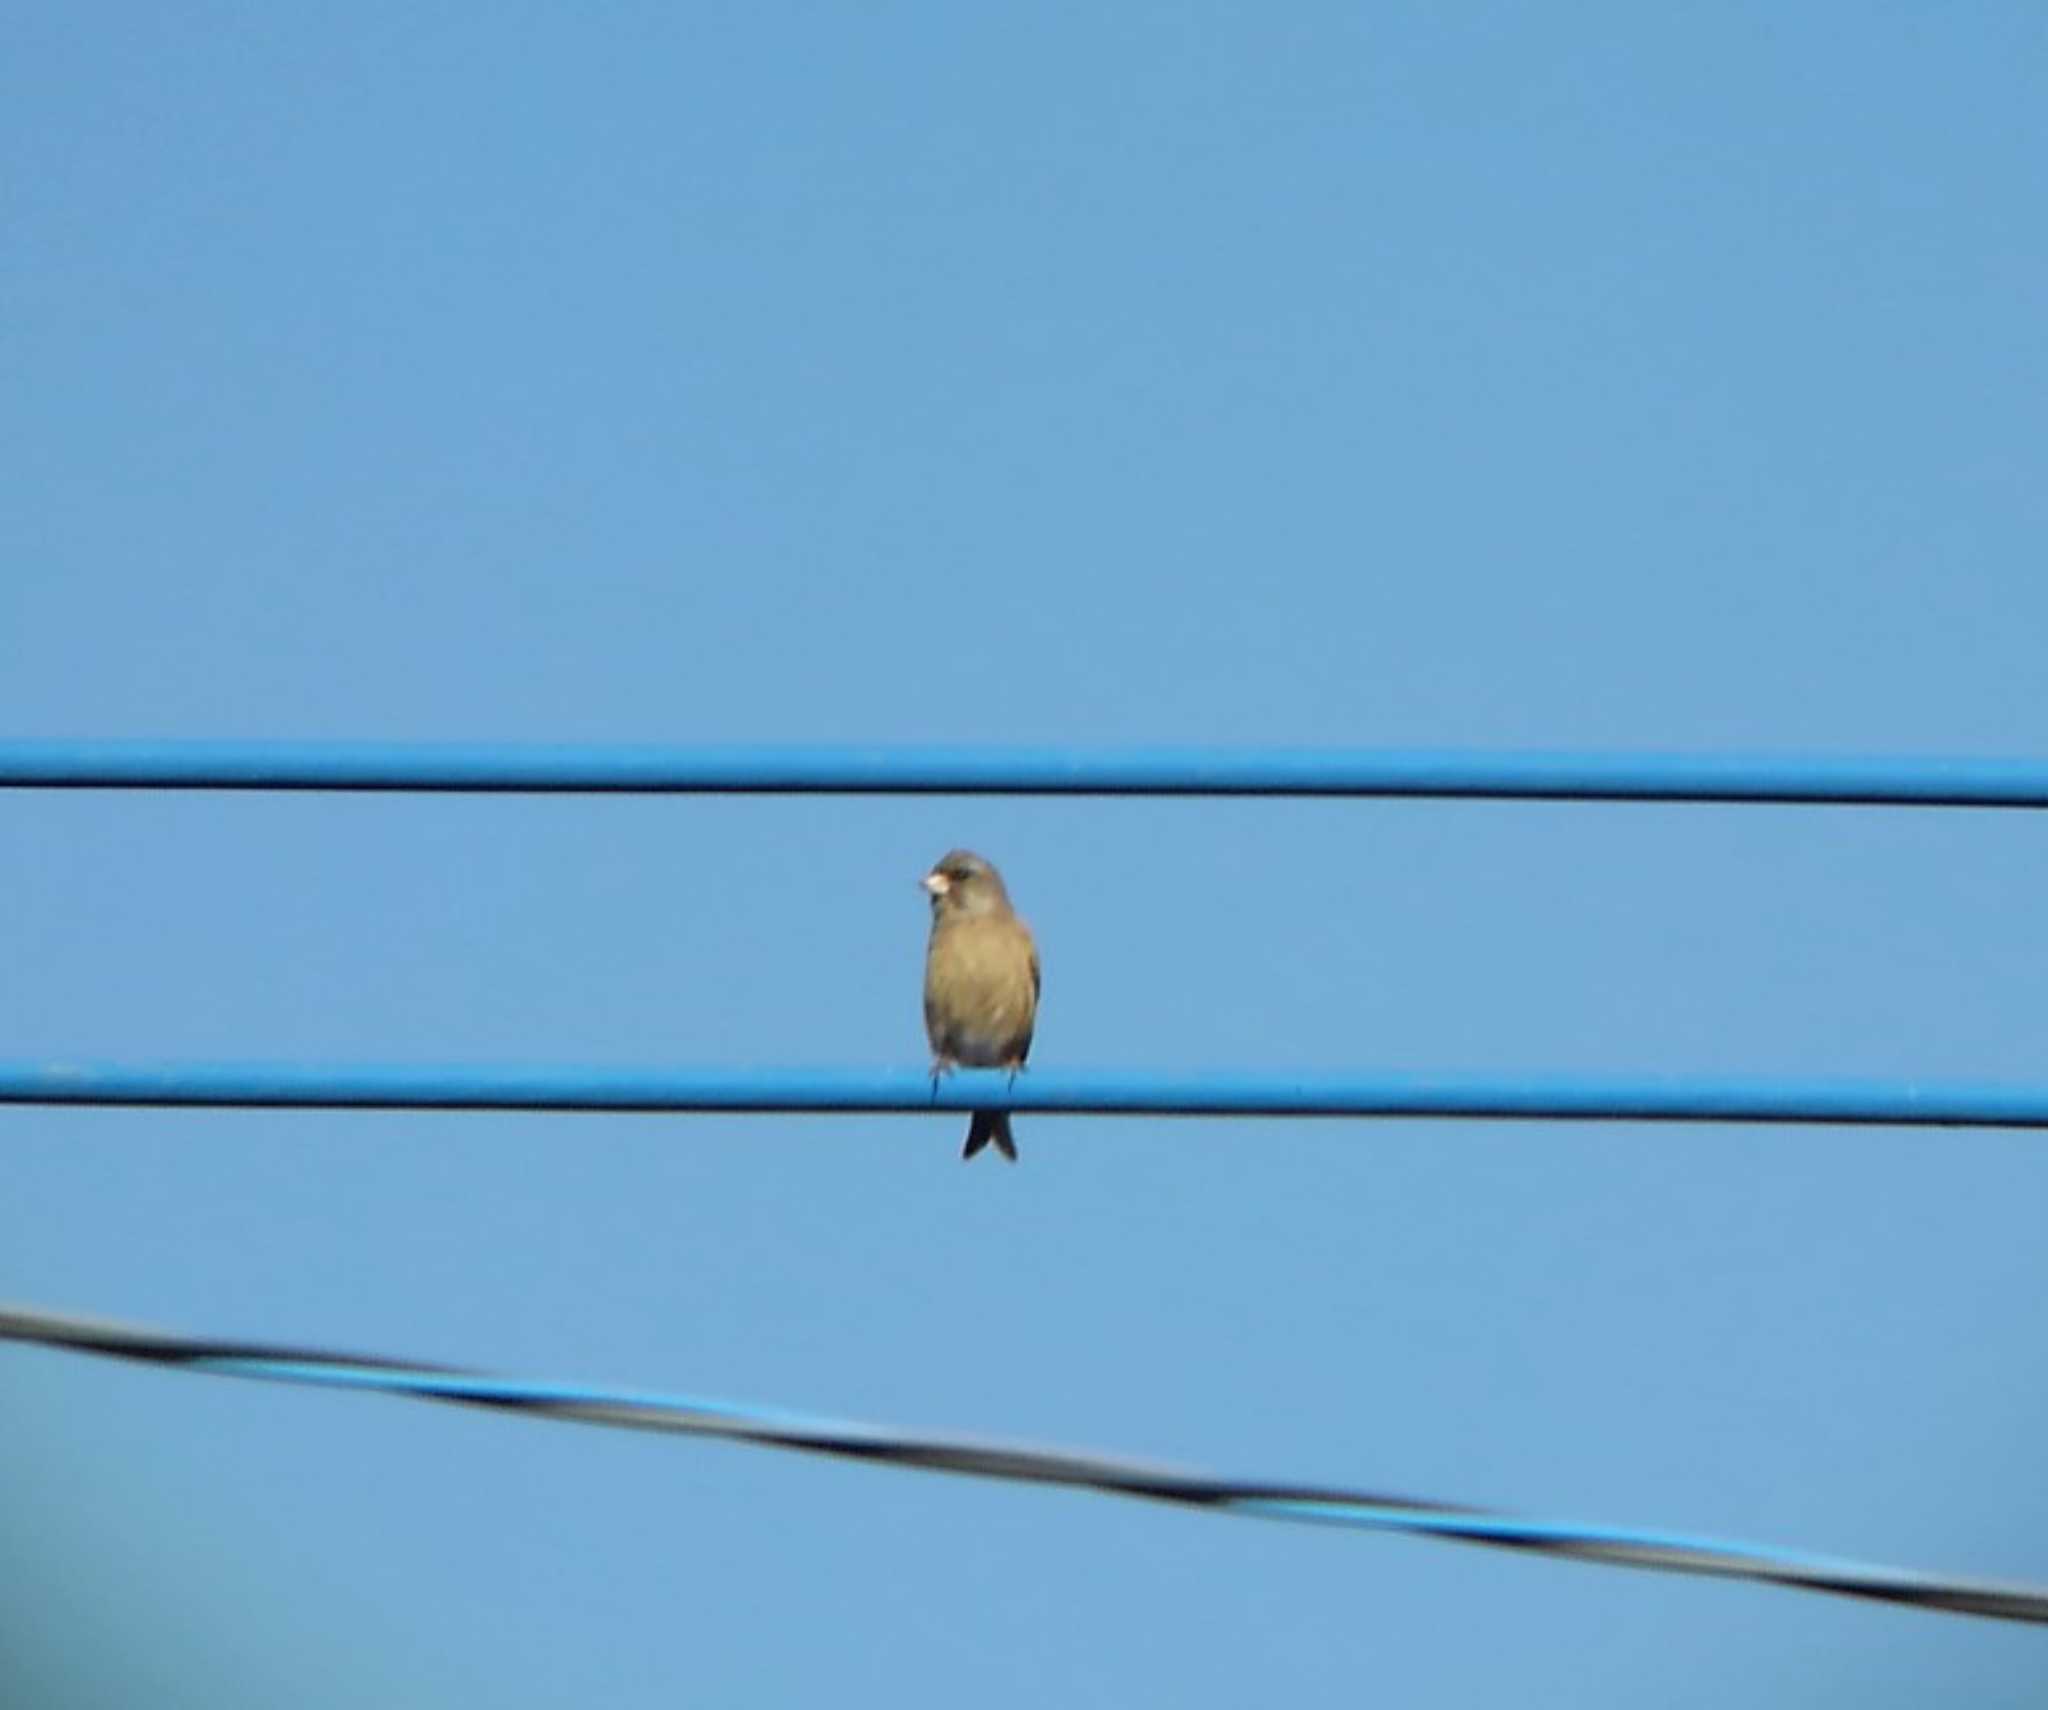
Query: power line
[
  {"x": 1867, "y": 780},
  {"x": 1669, "y": 1552},
  {"x": 428, "y": 1086}
]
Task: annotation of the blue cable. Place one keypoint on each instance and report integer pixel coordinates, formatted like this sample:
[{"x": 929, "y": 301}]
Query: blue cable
[
  {"x": 1670, "y": 1552},
  {"x": 1870, "y": 780},
  {"x": 426, "y": 1086}
]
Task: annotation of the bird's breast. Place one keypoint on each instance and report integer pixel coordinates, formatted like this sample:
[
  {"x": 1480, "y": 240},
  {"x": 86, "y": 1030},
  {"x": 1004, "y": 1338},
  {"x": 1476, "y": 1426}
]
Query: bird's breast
[{"x": 979, "y": 997}]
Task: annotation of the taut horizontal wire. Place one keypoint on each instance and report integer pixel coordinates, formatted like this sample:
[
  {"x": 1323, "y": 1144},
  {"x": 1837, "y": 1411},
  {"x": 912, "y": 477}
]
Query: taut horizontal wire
[
  {"x": 1871, "y": 780},
  {"x": 1668, "y": 1552},
  {"x": 375, "y": 1086}
]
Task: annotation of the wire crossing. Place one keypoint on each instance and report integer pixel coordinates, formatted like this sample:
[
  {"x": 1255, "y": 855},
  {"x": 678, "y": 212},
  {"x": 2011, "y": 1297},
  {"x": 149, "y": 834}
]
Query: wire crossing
[
  {"x": 1508, "y": 1097},
  {"x": 1668, "y": 1552},
  {"x": 1858, "y": 780}
]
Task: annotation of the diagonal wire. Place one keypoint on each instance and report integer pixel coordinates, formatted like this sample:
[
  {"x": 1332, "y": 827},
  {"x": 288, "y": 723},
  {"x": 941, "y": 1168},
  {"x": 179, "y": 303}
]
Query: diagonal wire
[{"x": 1669, "y": 1552}]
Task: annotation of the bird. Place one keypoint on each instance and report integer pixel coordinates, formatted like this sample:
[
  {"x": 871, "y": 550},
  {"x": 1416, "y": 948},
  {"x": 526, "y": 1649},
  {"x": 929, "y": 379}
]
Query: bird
[{"x": 980, "y": 983}]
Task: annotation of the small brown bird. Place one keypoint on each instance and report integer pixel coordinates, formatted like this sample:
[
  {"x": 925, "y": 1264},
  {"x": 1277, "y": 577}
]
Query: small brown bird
[{"x": 980, "y": 983}]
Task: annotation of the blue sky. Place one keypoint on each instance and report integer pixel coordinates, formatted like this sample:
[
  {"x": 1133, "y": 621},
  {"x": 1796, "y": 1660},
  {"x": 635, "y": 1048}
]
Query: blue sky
[{"x": 910, "y": 373}]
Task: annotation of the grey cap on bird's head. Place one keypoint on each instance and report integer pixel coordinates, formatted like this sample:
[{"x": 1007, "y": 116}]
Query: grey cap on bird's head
[{"x": 965, "y": 877}]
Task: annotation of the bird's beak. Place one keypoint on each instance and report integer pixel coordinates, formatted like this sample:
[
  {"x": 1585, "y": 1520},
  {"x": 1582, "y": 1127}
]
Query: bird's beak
[{"x": 936, "y": 882}]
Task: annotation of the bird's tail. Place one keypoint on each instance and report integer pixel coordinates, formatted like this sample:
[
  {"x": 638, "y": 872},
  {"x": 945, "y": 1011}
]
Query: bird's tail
[{"x": 990, "y": 1125}]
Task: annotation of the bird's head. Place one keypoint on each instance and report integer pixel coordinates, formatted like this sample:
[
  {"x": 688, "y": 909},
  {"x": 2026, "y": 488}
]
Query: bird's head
[{"x": 963, "y": 883}]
